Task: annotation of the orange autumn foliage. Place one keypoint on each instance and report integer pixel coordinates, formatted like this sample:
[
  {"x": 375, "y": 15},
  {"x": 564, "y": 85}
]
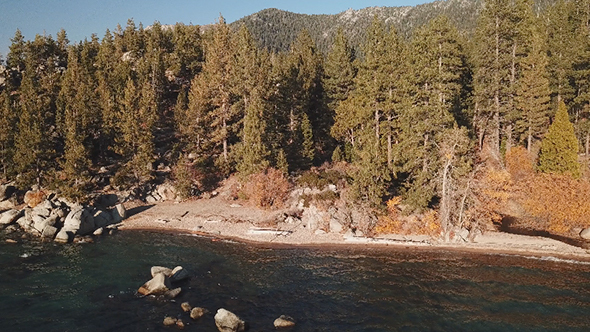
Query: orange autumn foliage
[
  {"x": 550, "y": 202},
  {"x": 394, "y": 223},
  {"x": 267, "y": 189}
]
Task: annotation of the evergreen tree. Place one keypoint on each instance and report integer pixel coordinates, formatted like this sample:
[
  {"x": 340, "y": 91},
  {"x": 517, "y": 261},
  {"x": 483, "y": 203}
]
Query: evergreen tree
[
  {"x": 217, "y": 75},
  {"x": 560, "y": 29},
  {"x": 339, "y": 71},
  {"x": 8, "y": 119},
  {"x": 438, "y": 66},
  {"x": 499, "y": 46},
  {"x": 559, "y": 148},
  {"x": 252, "y": 150},
  {"x": 532, "y": 100},
  {"x": 32, "y": 147}
]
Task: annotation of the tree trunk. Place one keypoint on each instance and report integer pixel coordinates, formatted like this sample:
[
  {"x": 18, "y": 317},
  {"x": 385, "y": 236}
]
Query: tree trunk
[
  {"x": 529, "y": 144},
  {"x": 389, "y": 144},
  {"x": 508, "y": 137},
  {"x": 377, "y": 135}
]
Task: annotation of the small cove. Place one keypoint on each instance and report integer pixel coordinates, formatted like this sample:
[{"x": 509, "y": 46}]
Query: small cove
[{"x": 91, "y": 287}]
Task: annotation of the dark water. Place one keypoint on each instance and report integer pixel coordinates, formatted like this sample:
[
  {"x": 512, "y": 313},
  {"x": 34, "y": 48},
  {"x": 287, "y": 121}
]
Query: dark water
[{"x": 91, "y": 287}]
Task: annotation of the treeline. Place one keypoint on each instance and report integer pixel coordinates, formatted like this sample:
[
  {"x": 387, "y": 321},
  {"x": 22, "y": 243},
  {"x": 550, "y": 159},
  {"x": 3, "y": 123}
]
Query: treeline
[{"x": 408, "y": 117}]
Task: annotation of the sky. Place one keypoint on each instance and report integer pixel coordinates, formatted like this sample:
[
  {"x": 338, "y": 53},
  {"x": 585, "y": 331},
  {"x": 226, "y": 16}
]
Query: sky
[{"x": 81, "y": 18}]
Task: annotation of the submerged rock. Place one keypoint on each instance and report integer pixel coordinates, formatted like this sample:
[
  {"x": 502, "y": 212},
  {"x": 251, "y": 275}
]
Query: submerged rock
[
  {"x": 169, "y": 321},
  {"x": 227, "y": 321},
  {"x": 198, "y": 312},
  {"x": 186, "y": 307},
  {"x": 284, "y": 321}
]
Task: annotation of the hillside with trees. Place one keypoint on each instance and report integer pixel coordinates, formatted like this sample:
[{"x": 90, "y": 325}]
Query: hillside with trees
[{"x": 422, "y": 129}]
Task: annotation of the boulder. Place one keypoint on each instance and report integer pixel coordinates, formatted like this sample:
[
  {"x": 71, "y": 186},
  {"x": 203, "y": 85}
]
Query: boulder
[
  {"x": 39, "y": 223},
  {"x": 10, "y": 216},
  {"x": 160, "y": 269},
  {"x": 98, "y": 232},
  {"x": 118, "y": 214},
  {"x": 585, "y": 234},
  {"x": 102, "y": 218},
  {"x": 166, "y": 191},
  {"x": 312, "y": 217},
  {"x": 169, "y": 321},
  {"x": 107, "y": 200},
  {"x": 284, "y": 321},
  {"x": 61, "y": 213},
  {"x": 80, "y": 222},
  {"x": 7, "y": 205},
  {"x": 198, "y": 312},
  {"x": 179, "y": 274},
  {"x": 34, "y": 197},
  {"x": 150, "y": 199},
  {"x": 64, "y": 236},
  {"x": 228, "y": 322},
  {"x": 172, "y": 293},
  {"x": 6, "y": 191},
  {"x": 335, "y": 226},
  {"x": 186, "y": 307},
  {"x": 41, "y": 211},
  {"x": 180, "y": 324},
  {"x": 49, "y": 232},
  {"x": 156, "y": 286}
]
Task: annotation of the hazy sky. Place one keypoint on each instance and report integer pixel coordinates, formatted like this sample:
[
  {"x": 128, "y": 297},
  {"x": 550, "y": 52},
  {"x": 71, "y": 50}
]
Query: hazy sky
[{"x": 81, "y": 18}]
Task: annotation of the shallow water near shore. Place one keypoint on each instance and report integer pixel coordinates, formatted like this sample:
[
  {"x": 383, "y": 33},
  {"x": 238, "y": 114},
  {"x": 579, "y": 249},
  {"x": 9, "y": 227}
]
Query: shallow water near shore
[{"x": 91, "y": 287}]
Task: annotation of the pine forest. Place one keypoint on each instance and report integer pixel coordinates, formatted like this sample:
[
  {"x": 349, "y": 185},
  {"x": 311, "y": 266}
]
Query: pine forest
[{"x": 431, "y": 129}]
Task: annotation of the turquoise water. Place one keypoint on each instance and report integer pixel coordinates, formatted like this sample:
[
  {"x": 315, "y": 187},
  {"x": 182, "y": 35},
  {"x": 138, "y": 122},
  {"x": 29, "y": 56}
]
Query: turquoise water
[{"x": 91, "y": 287}]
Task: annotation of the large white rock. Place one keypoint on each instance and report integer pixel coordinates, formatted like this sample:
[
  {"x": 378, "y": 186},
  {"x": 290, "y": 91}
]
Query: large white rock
[
  {"x": 160, "y": 269},
  {"x": 228, "y": 322},
  {"x": 80, "y": 222},
  {"x": 585, "y": 234},
  {"x": 10, "y": 216},
  {"x": 156, "y": 286},
  {"x": 64, "y": 236},
  {"x": 7, "y": 205}
]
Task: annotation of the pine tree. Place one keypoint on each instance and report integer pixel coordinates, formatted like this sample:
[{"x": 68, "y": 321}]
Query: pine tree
[
  {"x": 560, "y": 29},
  {"x": 252, "y": 150},
  {"x": 437, "y": 63},
  {"x": 339, "y": 71},
  {"x": 374, "y": 105},
  {"x": 559, "y": 148},
  {"x": 532, "y": 100},
  {"x": 8, "y": 119},
  {"x": 499, "y": 46},
  {"x": 32, "y": 147},
  {"x": 217, "y": 76}
]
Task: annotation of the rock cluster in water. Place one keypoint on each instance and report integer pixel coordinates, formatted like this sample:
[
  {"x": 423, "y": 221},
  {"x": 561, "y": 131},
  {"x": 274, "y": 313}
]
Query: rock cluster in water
[
  {"x": 50, "y": 217},
  {"x": 162, "y": 284}
]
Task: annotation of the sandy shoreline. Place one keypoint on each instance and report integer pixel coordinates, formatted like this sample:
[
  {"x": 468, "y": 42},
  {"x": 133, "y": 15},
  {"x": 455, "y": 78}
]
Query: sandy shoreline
[{"x": 218, "y": 219}]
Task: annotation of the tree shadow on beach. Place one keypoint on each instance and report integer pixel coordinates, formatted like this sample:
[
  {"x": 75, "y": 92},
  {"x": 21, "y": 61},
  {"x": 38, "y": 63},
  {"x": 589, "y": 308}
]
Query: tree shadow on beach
[
  {"x": 510, "y": 225},
  {"x": 138, "y": 209}
]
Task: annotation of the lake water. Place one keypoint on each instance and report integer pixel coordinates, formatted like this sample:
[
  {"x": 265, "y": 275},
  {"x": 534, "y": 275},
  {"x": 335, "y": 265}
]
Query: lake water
[{"x": 91, "y": 287}]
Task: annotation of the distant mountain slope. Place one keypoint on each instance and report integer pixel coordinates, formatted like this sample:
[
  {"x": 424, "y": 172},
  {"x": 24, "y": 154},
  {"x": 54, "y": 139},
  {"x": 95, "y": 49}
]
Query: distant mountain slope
[{"x": 275, "y": 29}]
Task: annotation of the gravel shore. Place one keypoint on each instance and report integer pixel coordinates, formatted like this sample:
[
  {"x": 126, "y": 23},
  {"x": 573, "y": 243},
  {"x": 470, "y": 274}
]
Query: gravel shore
[{"x": 218, "y": 218}]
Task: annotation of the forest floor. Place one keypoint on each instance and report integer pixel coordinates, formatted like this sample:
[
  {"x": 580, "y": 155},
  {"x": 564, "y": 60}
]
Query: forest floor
[{"x": 218, "y": 218}]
